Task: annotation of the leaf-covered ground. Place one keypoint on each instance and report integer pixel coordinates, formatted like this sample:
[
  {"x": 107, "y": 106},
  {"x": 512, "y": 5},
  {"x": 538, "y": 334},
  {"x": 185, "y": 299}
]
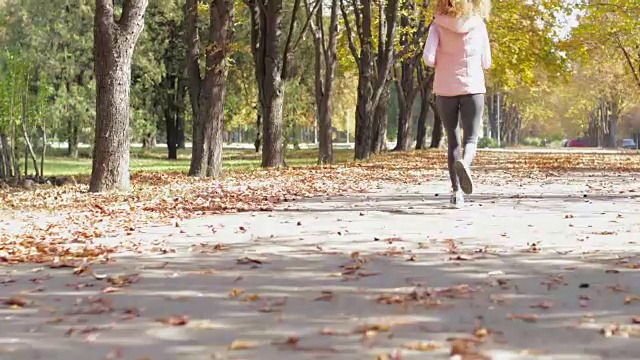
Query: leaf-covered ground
[
  {"x": 367, "y": 262},
  {"x": 63, "y": 222}
]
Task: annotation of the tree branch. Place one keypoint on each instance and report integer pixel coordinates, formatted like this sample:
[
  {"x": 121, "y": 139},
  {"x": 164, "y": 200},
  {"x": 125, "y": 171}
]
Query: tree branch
[
  {"x": 287, "y": 46},
  {"x": 400, "y": 90},
  {"x": 388, "y": 59},
  {"x": 358, "y": 19},
  {"x": 132, "y": 13},
  {"x": 627, "y": 56},
  {"x": 306, "y": 24},
  {"x": 104, "y": 12},
  {"x": 347, "y": 24}
]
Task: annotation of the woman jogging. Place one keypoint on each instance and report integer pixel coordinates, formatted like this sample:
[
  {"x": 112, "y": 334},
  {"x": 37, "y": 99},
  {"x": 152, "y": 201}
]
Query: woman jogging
[{"x": 458, "y": 47}]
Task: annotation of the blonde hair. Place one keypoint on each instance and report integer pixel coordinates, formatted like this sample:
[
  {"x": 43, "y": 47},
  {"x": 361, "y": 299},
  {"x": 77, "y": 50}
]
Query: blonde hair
[{"x": 463, "y": 8}]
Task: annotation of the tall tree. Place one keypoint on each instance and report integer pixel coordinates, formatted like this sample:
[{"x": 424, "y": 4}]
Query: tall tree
[
  {"x": 371, "y": 83},
  {"x": 423, "y": 72},
  {"x": 208, "y": 93},
  {"x": 272, "y": 57},
  {"x": 325, "y": 71},
  {"x": 413, "y": 31},
  {"x": 114, "y": 42}
]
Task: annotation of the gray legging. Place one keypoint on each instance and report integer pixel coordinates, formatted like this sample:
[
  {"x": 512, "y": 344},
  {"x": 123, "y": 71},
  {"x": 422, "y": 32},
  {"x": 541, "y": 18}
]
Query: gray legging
[{"x": 468, "y": 109}]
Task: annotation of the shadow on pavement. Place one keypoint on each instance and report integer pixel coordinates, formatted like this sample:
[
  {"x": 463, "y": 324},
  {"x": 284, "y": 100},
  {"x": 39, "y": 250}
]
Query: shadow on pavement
[{"x": 532, "y": 302}]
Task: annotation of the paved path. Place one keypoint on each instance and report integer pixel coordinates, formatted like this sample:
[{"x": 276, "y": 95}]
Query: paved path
[{"x": 544, "y": 267}]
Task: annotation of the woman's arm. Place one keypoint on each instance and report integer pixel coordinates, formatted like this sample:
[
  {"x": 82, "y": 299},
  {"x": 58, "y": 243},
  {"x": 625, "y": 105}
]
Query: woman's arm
[
  {"x": 486, "y": 49},
  {"x": 431, "y": 47}
]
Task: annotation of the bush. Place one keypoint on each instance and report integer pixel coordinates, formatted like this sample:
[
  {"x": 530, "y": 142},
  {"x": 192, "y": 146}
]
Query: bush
[
  {"x": 530, "y": 141},
  {"x": 487, "y": 142}
]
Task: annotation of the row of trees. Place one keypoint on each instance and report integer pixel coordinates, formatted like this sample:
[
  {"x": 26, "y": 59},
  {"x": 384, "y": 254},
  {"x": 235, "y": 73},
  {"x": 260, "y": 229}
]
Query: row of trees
[{"x": 192, "y": 69}]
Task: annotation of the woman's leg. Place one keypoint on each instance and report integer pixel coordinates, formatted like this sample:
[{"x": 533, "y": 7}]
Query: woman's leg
[
  {"x": 471, "y": 109},
  {"x": 448, "y": 108}
]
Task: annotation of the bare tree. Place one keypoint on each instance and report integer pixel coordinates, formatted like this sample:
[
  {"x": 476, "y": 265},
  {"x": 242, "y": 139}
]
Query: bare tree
[
  {"x": 414, "y": 29},
  {"x": 208, "y": 94},
  {"x": 371, "y": 83},
  {"x": 272, "y": 57},
  {"x": 326, "y": 63},
  {"x": 438, "y": 131},
  {"x": 114, "y": 43},
  {"x": 425, "y": 96}
]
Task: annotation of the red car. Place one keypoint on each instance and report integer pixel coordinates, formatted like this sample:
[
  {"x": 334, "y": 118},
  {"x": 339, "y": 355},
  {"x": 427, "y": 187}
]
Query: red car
[{"x": 576, "y": 143}]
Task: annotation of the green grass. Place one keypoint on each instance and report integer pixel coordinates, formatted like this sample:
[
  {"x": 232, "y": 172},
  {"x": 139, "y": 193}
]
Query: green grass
[{"x": 57, "y": 164}]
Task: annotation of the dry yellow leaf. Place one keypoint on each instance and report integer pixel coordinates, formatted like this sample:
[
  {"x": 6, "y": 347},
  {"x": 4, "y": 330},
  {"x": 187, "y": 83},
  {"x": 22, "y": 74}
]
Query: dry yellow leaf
[
  {"x": 242, "y": 345},
  {"x": 235, "y": 292},
  {"x": 421, "y": 346},
  {"x": 251, "y": 298}
]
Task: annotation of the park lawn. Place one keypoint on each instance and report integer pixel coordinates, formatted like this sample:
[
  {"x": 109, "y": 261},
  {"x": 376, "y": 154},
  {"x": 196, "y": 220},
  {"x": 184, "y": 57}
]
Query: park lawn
[{"x": 56, "y": 164}]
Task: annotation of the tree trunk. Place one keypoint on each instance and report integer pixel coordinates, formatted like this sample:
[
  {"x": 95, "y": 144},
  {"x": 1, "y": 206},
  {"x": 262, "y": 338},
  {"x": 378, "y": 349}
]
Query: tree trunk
[
  {"x": 72, "y": 132},
  {"x": 27, "y": 140},
  {"x": 326, "y": 62},
  {"x": 415, "y": 30},
  {"x": 174, "y": 85},
  {"x": 325, "y": 144},
  {"x": 436, "y": 133},
  {"x": 3, "y": 168},
  {"x": 114, "y": 42},
  {"x": 258, "y": 142},
  {"x": 365, "y": 112},
  {"x": 174, "y": 115},
  {"x": 256, "y": 27},
  {"x": 206, "y": 158},
  {"x": 43, "y": 154},
  {"x": 5, "y": 155},
  {"x": 404, "y": 137},
  {"x": 613, "y": 125},
  {"x": 425, "y": 98},
  {"x": 493, "y": 115},
  {"x": 271, "y": 58},
  {"x": 421, "y": 135},
  {"x": 170, "y": 116},
  {"x": 73, "y": 140},
  {"x": 380, "y": 122},
  {"x": 373, "y": 73}
]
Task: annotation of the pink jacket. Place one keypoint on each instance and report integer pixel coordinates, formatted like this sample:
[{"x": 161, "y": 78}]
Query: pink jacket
[{"x": 459, "y": 49}]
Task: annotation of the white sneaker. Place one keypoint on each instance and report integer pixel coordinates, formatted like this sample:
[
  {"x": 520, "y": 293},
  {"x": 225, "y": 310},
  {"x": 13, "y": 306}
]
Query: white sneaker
[
  {"x": 464, "y": 175},
  {"x": 457, "y": 199}
]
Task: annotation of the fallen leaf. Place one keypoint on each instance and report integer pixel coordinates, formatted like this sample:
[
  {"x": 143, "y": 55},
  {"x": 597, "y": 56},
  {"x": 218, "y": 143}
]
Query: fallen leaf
[
  {"x": 466, "y": 349},
  {"x": 332, "y": 332},
  {"x": 546, "y": 304},
  {"x": 421, "y": 346},
  {"x": 290, "y": 341},
  {"x": 111, "y": 289},
  {"x": 604, "y": 233},
  {"x": 242, "y": 345},
  {"x": 326, "y": 296},
  {"x": 534, "y": 248},
  {"x": 251, "y": 298},
  {"x": 248, "y": 260},
  {"x": 16, "y": 302},
  {"x": 481, "y": 332},
  {"x": 235, "y": 292},
  {"x": 460, "y": 258},
  {"x": 375, "y": 327},
  {"x": 629, "y": 299},
  {"x": 530, "y": 318},
  {"x": 174, "y": 320}
]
